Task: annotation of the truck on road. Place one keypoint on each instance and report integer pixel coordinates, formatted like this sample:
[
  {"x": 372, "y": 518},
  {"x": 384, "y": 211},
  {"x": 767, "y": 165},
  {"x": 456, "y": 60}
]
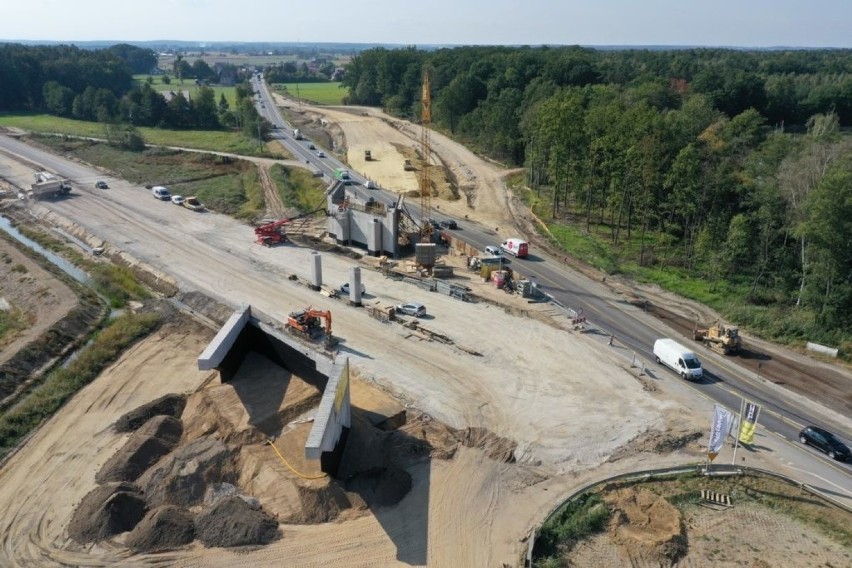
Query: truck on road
[
  {"x": 516, "y": 247},
  {"x": 342, "y": 174},
  {"x": 678, "y": 358},
  {"x": 297, "y": 134},
  {"x": 48, "y": 186}
]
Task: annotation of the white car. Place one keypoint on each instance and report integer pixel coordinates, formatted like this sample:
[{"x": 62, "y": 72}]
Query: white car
[
  {"x": 412, "y": 309},
  {"x": 345, "y": 288},
  {"x": 493, "y": 251},
  {"x": 177, "y": 199},
  {"x": 320, "y": 154}
]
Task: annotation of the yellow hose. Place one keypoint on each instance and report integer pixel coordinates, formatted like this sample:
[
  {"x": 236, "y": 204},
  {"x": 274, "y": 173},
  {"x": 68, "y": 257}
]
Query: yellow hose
[{"x": 291, "y": 467}]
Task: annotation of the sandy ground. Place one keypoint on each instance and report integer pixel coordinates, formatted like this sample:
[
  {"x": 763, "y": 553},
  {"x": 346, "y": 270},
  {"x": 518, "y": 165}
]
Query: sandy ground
[
  {"x": 559, "y": 394},
  {"x": 43, "y": 298}
]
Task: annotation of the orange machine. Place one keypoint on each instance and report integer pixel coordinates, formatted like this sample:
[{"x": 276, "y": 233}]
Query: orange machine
[{"x": 307, "y": 324}]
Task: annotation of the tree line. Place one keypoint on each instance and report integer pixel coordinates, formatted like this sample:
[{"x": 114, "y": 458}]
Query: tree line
[
  {"x": 98, "y": 85},
  {"x": 727, "y": 165}
]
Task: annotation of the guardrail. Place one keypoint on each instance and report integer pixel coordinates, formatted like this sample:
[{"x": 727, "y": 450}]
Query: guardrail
[{"x": 698, "y": 469}]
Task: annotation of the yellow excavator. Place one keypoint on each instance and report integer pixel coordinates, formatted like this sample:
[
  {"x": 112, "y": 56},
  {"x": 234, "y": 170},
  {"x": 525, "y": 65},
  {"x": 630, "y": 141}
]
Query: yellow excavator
[{"x": 720, "y": 337}]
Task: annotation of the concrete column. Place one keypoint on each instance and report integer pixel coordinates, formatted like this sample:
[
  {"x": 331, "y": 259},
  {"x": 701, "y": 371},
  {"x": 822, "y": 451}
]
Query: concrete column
[
  {"x": 316, "y": 270},
  {"x": 355, "y": 286},
  {"x": 374, "y": 238}
]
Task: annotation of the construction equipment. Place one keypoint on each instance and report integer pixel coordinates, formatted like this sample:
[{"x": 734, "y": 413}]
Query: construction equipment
[
  {"x": 273, "y": 233},
  {"x": 408, "y": 166},
  {"x": 720, "y": 337},
  {"x": 306, "y": 323},
  {"x": 368, "y": 156},
  {"x": 48, "y": 186}
]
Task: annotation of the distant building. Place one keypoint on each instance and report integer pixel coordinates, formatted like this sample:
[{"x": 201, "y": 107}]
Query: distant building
[{"x": 338, "y": 74}]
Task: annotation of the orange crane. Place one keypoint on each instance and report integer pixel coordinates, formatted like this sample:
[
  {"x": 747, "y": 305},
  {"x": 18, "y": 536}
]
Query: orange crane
[
  {"x": 307, "y": 324},
  {"x": 273, "y": 233},
  {"x": 426, "y": 150}
]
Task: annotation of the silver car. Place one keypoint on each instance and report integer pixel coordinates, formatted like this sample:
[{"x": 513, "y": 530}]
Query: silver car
[{"x": 412, "y": 309}]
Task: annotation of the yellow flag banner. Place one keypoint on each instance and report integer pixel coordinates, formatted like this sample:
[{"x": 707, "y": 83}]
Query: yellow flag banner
[{"x": 748, "y": 423}]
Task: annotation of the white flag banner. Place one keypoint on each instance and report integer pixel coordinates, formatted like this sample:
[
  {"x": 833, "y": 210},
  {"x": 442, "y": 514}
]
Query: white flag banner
[{"x": 722, "y": 420}]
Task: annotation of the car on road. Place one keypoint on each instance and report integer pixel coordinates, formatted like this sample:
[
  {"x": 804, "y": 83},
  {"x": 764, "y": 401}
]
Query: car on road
[
  {"x": 493, "y": 250},
  {"x": 345, "y": 288},
  {"x": 101, "y": 185},
  {"x": 825, "y": 441},
  {"x": 311, "y": 147},
  {"x": 412, "y": 309},
  {"x": 177, "y": 199},
  {"x": 370, "y": 184},
  {"x": 320, "y": 154},
  {"x": 449, "y": 224}
]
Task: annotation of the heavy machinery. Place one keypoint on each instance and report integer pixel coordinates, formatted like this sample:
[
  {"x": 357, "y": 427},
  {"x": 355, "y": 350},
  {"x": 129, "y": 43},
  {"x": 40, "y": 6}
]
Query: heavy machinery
[
  {"x": 48, "y": 186},
  {"x": 306, "y": 323},
  {"x": 408, "y": 166},
  {"x": 720, "y": 337},
  {"x": 368, "y": 156},
  {"x": 273, "y": 233}
]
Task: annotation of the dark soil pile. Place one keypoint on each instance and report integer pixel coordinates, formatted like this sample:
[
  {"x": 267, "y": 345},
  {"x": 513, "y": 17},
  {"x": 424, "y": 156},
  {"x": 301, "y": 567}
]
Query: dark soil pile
[
  {"x": 381, "y": 487},
  {"x": 182, "y": 477},
  {"x": 163, "y": 528},
  {"x": 146, "y": 446},
  {"x": 497, "y": 448},
  {"x": 106, "y": 511},
  {"x": 233, "y": 522},
  {"x": 168, "y": 405}
]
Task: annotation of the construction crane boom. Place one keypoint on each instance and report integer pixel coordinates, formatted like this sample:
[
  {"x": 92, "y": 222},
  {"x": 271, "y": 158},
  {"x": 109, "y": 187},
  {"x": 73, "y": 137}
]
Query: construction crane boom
[{"x": 426, "y": 150}]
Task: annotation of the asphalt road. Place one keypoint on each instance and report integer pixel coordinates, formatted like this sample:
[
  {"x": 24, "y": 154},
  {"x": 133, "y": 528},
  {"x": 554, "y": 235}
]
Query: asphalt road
[{"x": 724, "y": 382}]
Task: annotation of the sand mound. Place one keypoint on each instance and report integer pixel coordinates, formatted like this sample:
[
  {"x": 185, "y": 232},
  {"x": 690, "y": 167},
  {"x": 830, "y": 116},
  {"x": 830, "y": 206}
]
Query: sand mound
[
  {"x": 169, "y": 405},
  {"x": 496, "y": 448},
  {"x": 234, "y": 522},
  {"x": 106, "y": 511},
  {"x": 647, "y": 526},
  {"x": 381, "y": 487},
  {"x": 156, "y": 438},
  {"x": 182, "y": 477},
  {"x": 163, "y": 528},
  {"x": 321, "y": 502}
]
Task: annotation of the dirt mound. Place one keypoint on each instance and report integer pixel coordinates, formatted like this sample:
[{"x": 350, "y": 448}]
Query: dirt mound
[
  {"x": 441, "y": 441},
  {"x": 168, "y": 405},
  {"x": 156, "y": 438},
  {"x": 163, "y": 528},
  {"x": 381, "y": 487},
  {"x": 182, "y": 477},
  {"x": 322, "y": 502},
  {"x": 106, "y": 511},
  {"x": 234, "y": 522},
  {"x": 496, "y": 448},
  {"x": 660, "y": 443},
  {"x": 647, "y": 526}
]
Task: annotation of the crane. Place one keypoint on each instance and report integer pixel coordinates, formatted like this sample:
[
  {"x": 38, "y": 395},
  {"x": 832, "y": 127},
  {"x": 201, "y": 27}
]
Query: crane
[
  {"x": 273, "y": 234},
  {"x": 426, "y": 150}
]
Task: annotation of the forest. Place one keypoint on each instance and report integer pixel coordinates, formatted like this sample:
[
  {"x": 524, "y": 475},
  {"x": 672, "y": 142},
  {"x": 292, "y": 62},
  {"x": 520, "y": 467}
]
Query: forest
[
  {"x": 98, "y": 85},
  {"x": 725, "y": 173}
]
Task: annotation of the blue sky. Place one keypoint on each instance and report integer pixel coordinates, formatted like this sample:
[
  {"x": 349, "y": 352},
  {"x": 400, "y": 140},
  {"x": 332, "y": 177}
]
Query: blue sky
[{"x": 742, "y": 23}]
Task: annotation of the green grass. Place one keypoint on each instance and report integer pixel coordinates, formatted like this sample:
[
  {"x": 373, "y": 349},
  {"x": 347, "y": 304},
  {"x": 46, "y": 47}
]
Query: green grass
[
  {"x": 238, "y": 193},
  {"x": 298, "y": 188},
  {"x": 214, "y": 140},
  {"x": 188, "y": 85},
  {"x": 11, "y": 322},
  {"x": 320, "y": 93},
  {"x": 62, "y": 383},
  {"x": 576, "y": 521}
]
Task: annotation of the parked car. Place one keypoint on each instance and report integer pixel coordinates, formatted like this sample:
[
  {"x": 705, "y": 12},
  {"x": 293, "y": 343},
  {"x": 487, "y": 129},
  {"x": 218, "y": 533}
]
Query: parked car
[
  {"x": 825, "y": 441},
  {"x": 177, "y": 199},
  {"x": 345, "y": 288},
  {"x": 412, "y": 309},
  {"x": 193, "y": 204},
  {"x": 493, "y": 250},
  {"x": 101, "y": 185},
  {"x": 449, "y": 224},
  {"x": 161, "y": 193}
]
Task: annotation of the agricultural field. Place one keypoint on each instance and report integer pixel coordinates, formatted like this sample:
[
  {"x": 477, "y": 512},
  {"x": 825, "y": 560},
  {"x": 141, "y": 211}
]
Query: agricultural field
[
  {"x": 320, "y": 93},
  {"x": 187, "y": 85}
]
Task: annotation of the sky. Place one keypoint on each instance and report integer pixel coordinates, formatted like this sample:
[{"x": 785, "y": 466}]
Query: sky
[{"x": 734, "y": 23}]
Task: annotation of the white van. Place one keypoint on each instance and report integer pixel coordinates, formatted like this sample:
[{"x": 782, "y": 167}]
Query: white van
[
  {"x": 161, "y": 192},
  {"x": 677, "y": 357}
]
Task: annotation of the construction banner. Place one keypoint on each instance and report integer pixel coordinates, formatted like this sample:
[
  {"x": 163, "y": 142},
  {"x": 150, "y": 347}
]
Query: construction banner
[
  {"x": 722, "y": 420},
  {"x": 748, "y": 423}
]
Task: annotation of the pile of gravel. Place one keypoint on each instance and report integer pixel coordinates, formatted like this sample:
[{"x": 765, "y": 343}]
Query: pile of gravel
[
  {"x": 156, "y": 438},
  {"x": 168, "y": 405},
  {"x": 182, "y": 477},
  {"x": 106, "y": 511},
  {"x": 163, "y": 528},
  {"x": 232, "y": 521}
]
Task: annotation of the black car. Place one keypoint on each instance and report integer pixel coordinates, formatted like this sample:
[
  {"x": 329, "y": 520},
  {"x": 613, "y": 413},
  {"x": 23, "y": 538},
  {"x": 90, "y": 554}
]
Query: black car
[
  {"x": 825, "y": 441},
  {"x": 101, "y": 185},
  {"x": 449, "y": 224}
]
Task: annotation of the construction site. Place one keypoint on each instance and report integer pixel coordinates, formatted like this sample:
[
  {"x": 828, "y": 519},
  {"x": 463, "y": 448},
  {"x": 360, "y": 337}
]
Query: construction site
[{"x": 274, "y": 420}]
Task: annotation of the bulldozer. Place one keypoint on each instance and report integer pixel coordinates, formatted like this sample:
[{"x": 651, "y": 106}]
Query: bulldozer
[
  {"x": 368, "y": 156},
  {"x": 408, "y": 166},
  {"x": 720, "y": 337},
  {"x": 306, "y": 323}
]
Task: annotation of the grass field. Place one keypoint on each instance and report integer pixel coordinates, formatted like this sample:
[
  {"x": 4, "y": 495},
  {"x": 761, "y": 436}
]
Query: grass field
[
  {"x": 215, "y": 140},
  {"x": 188, "y": 86},
  {"x": 320, "y": 93}
]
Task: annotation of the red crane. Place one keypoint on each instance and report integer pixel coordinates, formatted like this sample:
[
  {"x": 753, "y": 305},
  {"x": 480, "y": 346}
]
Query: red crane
[{"x": 273, "y": 233}]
